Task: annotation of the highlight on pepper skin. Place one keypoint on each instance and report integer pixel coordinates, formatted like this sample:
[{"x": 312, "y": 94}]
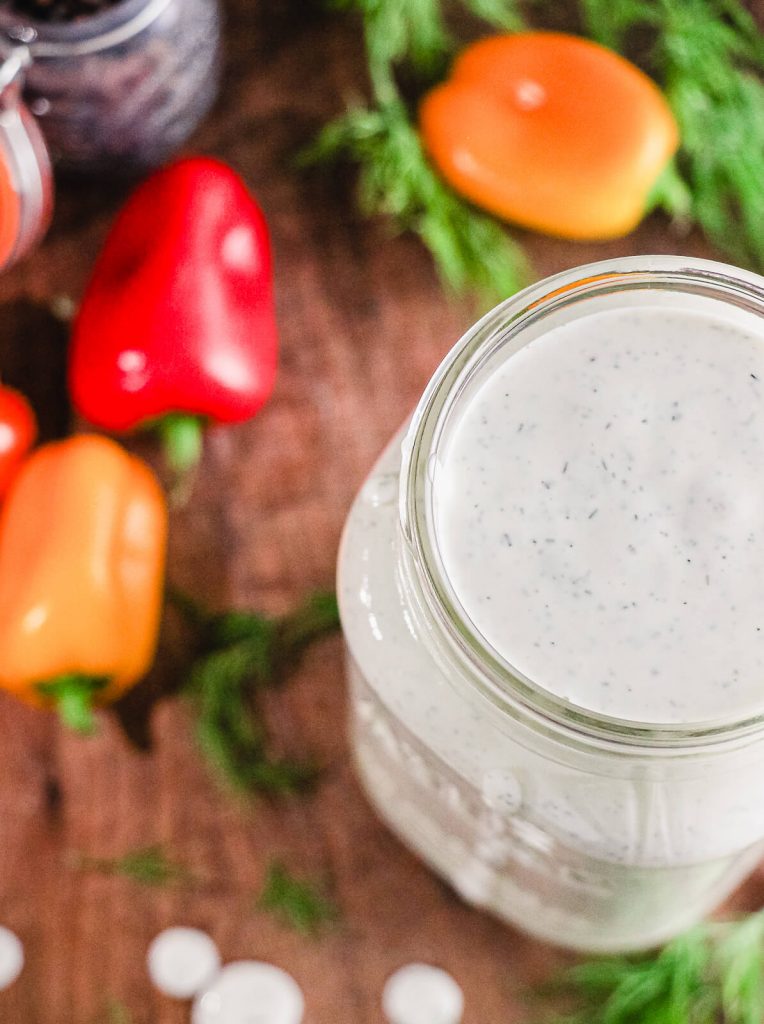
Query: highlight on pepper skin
[{"x": 551, "y": 132}]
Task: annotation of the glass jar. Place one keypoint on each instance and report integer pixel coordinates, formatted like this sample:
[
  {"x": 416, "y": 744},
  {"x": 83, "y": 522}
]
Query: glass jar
[
  {"x": 26, "y": 187},
  {"x": 587, "y": 831},
  {"x": 120, "y": 89}
]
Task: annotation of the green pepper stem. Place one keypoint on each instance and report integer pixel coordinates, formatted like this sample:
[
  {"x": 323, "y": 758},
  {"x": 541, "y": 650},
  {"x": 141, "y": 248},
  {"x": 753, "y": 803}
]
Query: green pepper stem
[
  {"x": 73, "y": 696},
  {"x": 182, "y": 436}
]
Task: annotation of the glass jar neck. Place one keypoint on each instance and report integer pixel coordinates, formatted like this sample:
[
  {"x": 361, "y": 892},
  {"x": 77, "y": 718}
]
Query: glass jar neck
[
  {"x": 489, "y": 343},
  {"x": 109, "y": 27}
]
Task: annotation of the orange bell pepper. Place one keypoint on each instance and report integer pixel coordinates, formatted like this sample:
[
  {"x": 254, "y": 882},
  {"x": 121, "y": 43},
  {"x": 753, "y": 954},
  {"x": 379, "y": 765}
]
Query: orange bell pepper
[
  {"x": 552, "y": 132},
  {"x": 82, "y": 550}
]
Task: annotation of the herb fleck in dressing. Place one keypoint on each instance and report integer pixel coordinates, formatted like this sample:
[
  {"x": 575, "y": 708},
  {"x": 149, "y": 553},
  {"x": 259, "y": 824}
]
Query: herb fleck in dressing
[{"x": 600, "y": 512}]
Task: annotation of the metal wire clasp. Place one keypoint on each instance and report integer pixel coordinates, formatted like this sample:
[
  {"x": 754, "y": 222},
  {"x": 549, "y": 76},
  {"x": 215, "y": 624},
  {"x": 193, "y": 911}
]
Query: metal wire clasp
[{"x": 16, "y": 58}]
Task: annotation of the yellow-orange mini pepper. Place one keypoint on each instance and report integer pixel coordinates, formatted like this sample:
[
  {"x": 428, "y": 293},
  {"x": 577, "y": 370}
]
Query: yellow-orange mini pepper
[
  {"x": 83, "y": 535},
  {"x": 552, "y": 132}
]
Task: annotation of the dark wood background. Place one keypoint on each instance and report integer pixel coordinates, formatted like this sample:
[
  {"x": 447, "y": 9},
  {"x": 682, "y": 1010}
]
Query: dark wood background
[{"x": 363, "y": 324}]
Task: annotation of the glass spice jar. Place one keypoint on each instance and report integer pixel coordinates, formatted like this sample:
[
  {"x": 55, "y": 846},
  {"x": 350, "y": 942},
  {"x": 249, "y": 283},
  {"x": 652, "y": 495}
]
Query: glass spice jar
[
  {"x": 26, "y": 188},
  {"x": 116, "y": 86},
  {"x": 588, "y": 830}
]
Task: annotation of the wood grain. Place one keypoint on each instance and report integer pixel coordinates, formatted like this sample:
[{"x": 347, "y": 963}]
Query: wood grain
[{"x": 363, "y": 325}]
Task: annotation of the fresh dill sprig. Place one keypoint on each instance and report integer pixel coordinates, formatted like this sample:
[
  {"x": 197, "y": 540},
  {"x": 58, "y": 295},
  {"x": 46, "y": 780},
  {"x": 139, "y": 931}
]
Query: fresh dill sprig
[
  {"x": 713, "y": 974},
  {"x": 241, "y": 654},
  {"x": 415, "y": 31},
  {"x": 739, "y": 956},
  {"x": 147, "y": 865},
  {"x": 301, "y": 904},
  {"x": 708, "y": 55},
  {"x": 503, "y": 15},
  {"x": 401, "y": 30},
  {"x": 114, "y": 1012},
  {"x": 118, "y": 1013},
  {"x": 472, "y": 252}
]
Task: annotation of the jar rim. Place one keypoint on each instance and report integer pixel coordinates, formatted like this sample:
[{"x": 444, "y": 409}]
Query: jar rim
[
  {"x": 488, "y": 670},
  {"x": 108, "y": 27}
]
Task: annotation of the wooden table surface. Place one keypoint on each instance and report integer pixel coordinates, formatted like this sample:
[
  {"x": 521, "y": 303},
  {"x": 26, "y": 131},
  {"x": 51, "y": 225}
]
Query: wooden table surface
[{"x": 363, "y": 325}]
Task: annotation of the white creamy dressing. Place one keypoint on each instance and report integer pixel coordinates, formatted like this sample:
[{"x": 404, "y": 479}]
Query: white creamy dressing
[{"x": 600, "y": 513}]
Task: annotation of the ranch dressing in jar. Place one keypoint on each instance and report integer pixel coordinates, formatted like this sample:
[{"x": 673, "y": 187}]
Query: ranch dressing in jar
[
  {"x": 554, "y": 605},
  {"x": 601, "y": 513}
]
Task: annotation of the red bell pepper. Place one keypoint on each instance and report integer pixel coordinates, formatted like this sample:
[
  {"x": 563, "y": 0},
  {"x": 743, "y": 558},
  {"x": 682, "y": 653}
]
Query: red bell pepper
[
  {"x": 177, "y": 324},
  {"x": 18, "y": 430}
]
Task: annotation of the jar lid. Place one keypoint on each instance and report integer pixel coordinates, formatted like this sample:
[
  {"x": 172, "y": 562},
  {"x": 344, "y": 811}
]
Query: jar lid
[{"x": 26, "y": 185}]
